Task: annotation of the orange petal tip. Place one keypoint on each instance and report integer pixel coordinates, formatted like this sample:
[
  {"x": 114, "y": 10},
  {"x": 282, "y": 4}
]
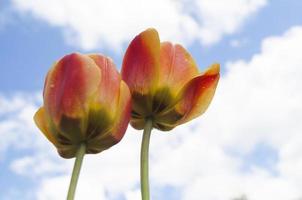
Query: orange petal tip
[
  {"x": 214, "y": 69},
  {"x": 141, "y": 62}
]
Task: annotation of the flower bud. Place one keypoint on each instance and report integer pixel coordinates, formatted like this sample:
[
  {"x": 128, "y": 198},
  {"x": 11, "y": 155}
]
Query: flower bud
[
  {"x": 85, "y": 101},
  {"x": 165, "y": 83}
]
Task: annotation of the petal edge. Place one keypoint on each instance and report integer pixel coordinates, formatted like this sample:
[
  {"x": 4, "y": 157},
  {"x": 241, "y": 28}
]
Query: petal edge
[
  {"x": 41, "y": 122},
  {"x": 141, "y": 62},
  {"x": 197, "y": 94}
]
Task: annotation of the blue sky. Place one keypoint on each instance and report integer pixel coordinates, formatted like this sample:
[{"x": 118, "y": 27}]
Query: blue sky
[
  {"x": 259, "y": 128},
  {"x": 29, "y": 46}
]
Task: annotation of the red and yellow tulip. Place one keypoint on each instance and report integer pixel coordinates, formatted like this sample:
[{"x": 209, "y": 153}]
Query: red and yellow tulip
[
  {"x": 165, "y": 84},
  {"x": 85, "y": 101}
]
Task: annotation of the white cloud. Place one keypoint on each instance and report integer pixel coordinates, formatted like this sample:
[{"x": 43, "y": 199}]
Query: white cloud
[
  {"x": 16, "y": 121},
  {"x": 257, "y": 102},
  {"x": 92, "y": 24},
  {"x": 224, "y": 17},
  {"x": 105, "y": 175},
  {"x": 265, "y": 96}
]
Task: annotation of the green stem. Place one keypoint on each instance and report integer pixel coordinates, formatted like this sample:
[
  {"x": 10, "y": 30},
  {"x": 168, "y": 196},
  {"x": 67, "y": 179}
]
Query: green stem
[
  {"x": 76, "y": 171},
  {"x": 145, "y": 161}
]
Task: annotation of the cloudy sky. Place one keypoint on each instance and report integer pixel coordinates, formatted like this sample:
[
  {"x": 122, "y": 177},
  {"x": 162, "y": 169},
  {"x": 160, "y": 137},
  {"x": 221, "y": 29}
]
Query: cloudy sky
[{"x": 249, "y": 142}]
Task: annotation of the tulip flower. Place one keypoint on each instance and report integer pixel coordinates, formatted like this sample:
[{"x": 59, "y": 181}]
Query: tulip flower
[
  {"x": 166, "y": 87},
  {"x": 86, "y": 107}
]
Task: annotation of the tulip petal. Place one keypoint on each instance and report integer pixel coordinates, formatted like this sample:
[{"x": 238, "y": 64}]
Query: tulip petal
[
  {"x": 177, "y": 67},
  {"x": 100, "y": 122},
  {"x": 123, "y": 112},
  {"x": 197, "y": 94},
  {"x": 138, "y": 124},
  {"x": 141, "y": 62},
  {"x": 63, "y": 145},
  {"x": 68, "y": 151},
  {"x": 69, "y": 86},
  {"x": 107, "y": 139},
  {"x": 41, "y": 122},
  {"x": 109, "y": 86}
]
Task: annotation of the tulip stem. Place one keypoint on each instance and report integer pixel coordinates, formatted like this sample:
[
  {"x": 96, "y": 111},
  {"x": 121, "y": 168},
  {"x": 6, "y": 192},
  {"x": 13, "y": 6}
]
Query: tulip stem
[
  {"x": 76, "y": 171},
  {"x": 145, "y": 160}
]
